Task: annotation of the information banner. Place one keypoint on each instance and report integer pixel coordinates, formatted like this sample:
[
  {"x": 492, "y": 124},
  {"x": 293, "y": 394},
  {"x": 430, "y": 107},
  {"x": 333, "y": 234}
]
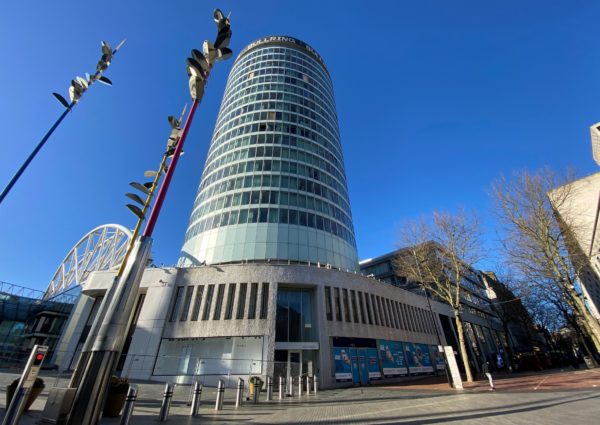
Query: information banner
[
  {"x": 392, "y": 358},
  {"x": 438, "y": 357},
  {"x": 373, "y": 363},
  {"x": 418, "y": 358},
  {"x": 343, "y": 365}
]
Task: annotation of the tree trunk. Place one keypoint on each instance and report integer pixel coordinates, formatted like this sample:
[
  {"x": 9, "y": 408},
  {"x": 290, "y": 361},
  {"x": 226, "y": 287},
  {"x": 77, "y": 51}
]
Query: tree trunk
[{"x": 462, "y": 346}]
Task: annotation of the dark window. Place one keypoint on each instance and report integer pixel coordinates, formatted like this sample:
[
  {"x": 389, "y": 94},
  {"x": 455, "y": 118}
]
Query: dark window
[
  {"x": 360, "y": 297},
  {"x": 252, "y": 306},
  {"x": 354, "y": 305},
  {"x": 241, "y": 301},
  {"x": 197, "y": 302},
  {"x": 219, "y": 302},
  {"x": 376, "y": 311},
  {"x": 230, "y": 298},
  {"x": 176, "y": 303},
  {"x": 186, "y": 304},
  {"x": 368, "y": 307},
  {"x": 264, "y": 300},
  {"x": 209, "y": 297},
  {"x": 346, "y": 305},
  {"x": 336, "y": 303},
  {"x": 328, "y": 303}
]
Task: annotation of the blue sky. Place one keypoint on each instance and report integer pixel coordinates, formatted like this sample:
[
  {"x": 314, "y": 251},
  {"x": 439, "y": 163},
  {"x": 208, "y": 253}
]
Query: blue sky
[{"x": 435, "y": 100}]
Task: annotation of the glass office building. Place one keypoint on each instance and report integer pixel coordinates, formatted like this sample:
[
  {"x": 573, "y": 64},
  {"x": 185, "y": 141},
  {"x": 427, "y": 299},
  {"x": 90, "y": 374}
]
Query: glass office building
[{"x": 274, "y": 185}]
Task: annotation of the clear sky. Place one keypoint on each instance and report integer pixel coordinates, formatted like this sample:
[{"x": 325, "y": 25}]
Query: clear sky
[{"x": 435, "y": 99}]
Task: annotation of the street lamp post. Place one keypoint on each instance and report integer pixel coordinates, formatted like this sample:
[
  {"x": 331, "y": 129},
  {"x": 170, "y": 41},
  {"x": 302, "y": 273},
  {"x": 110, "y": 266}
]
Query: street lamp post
[
  {"x": 97, "y": 364},
  {"x": 78, "y": 86}
]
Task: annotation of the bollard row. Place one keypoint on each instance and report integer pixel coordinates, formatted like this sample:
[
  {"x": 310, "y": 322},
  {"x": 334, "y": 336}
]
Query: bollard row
[
  {"x": 196, "y": 395},
  {"x": 166, "y": 403},
  {"x": 130, "y": 400}
]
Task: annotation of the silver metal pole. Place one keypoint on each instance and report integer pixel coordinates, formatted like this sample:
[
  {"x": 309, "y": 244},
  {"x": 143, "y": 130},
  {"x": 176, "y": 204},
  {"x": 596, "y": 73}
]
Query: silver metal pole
[
  {"x": 129, "y": 405},
  {"x": 240, "y": 393},
  {"x": 299, "y": 385},
  {"x": 220, "y": 393},
  {"x": 196, "y": 394},
  {"x": 315, "y": 383},
  {"x": 269, "y": 388},
  {"x": 281, "y": 387},
  {"x": 166, "y": 403},
  {"x": 307, "y": 384},
  {"x": 291, "y": 386},
  {"x": 96, "y": 366},
  {"x": 256, "y": 395}
]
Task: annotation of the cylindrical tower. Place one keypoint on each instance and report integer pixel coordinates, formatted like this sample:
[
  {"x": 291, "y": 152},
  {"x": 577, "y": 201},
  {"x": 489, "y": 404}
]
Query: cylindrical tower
[{"x": 274, "y": 185}]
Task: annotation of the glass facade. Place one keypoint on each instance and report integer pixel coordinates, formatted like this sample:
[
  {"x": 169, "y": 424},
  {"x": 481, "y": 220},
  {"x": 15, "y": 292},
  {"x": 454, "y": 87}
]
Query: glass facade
[{"x": 274, "y": 185}]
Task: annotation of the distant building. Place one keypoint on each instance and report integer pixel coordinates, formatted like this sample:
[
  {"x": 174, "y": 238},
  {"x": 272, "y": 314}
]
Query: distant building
[
  {"x": 517, "y": 323},
  {"x": 27, "y": 319},
  {"x": 483, "y": 328},
  {"x": 579, "y": 215}
]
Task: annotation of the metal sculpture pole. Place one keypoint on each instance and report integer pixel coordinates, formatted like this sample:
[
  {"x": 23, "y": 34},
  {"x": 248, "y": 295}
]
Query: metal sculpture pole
[
  {"x": 78, "y": 87},
  {"x": 101, "y": 352}
]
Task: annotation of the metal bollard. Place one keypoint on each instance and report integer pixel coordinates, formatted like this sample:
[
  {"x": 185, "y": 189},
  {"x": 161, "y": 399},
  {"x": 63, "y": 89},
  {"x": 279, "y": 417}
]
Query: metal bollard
[
  {"x": 269, "y": 388},
  {"x": 240, "y": 392},
  {"x": 315, "y": 383},
  {"x": 281, "y": 387},
  {"x": 256, "y": 394},
  {"x": 220, "y": 394},
  {"x": 299, "y": 385},
  {"x": 307, "y": 385},
  {"x": 129, "y": 404},
  {"x": 196, "y": 394},
  {"x": 291, "y": 386},
  {"x": 166, "y": 403}
]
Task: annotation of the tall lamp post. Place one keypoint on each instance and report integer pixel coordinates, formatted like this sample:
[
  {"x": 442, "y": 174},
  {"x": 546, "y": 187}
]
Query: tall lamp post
[
  {"x": 105, "y": 342},
  {"x": 78, "y": 86}
]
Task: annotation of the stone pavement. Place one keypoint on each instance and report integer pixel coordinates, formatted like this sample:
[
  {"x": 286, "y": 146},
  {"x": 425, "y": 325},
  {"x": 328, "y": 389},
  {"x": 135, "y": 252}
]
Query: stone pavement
[{"x": 556, "y": 397}]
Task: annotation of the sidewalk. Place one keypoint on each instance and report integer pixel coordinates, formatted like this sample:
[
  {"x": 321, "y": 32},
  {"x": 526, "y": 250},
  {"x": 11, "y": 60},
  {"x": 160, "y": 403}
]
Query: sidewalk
[{"x": 555, "y": 397}]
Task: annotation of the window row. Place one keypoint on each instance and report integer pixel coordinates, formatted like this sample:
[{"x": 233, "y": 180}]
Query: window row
[
  {"x": 256, "y": 74},
  {"x": 232, "y": 132},
  {"x": 284, "y": 182},
  {"x": 315, "y": 107},
  {"x": 326, "y": 129},
  {"x": 272, "y": 197},
  {"x": 309, "y": 68},
  {"x": 271, "y": 215},
  {"x": 312, "y": 95},
  {"x": 200, "y": 302},
  {"x": 347, "y": 305},
  {"x": 299, "y": 60},
  {"x": 274, "y": 166},
  {"x": 306, "y": 116},
  {"x": 316, "y": 155},
  {"x": 302, "y": 81}
]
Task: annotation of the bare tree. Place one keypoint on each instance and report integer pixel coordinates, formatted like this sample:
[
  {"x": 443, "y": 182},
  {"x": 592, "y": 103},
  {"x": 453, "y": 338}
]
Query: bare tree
[
  {"x": 440, "y": 257},
  {"x": 539, "y": 246}
]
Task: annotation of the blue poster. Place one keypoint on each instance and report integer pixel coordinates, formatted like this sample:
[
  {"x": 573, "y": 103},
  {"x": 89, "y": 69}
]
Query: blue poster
[
  {"x": 373, "y": 363},
  {"x": 417, "y": 358},
  {"x": 343, "y": 364},
  {"x": 392, "y": 358},
  {"x": 439, "y": 358}
]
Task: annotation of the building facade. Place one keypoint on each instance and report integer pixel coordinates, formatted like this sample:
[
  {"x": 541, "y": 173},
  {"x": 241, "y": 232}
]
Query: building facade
[
  {"x": 579, "y": 214},
  {"x": 484, "y": 330},
  {"x": 267, "y": 282},
  {"x": 274, "y": 184}
]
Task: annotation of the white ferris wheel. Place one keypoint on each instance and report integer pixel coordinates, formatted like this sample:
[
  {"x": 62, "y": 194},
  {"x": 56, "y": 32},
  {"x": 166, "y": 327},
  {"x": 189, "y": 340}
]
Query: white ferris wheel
[{"x": 103, "y": 248}]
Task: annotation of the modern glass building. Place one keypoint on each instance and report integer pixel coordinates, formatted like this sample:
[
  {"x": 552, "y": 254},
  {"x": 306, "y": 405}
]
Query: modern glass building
[{"x": 274, "y": 185}]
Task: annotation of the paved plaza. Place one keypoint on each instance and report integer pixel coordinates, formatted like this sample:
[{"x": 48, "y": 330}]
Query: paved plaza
[{"x": 557, "y": 397}]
